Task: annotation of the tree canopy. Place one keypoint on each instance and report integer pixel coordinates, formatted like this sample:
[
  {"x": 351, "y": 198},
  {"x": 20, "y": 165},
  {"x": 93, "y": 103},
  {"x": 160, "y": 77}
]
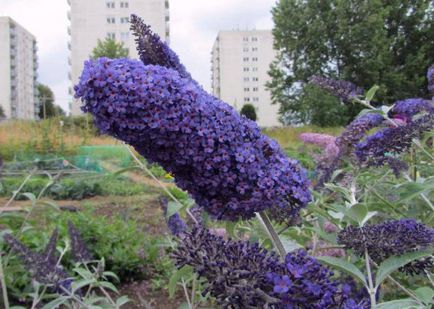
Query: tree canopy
[
  {"x": 383, "y": 42},
  {"x": 109, "y": 48},
  {"x": 249, "y": 111},
  {"x": 47, "y": 108}
]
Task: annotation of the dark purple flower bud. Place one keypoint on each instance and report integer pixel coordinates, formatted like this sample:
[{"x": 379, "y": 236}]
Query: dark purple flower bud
[
  {"x": 330, "y": 227},
  {"x": 236, "y": 271},
  {"x": 408, "y": 108},
  {"x": 391, "y": 238},
  {"x": 152, "y": 50},
  {"x": 219, "y": 157},
  {"x": 43, "y": 267},
  {"x": 79, "y": 250},
  {"x": 430, "y": 76},
  {"x": 344, "y": 90},
  {"x": 175, "y": 223}
]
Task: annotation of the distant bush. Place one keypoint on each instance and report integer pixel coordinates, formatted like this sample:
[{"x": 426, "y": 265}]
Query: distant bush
[{"x": 248, "y": 110}]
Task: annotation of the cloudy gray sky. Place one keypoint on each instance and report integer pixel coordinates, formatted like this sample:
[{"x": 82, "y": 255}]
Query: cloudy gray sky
[{"x": 194, "y": 26}]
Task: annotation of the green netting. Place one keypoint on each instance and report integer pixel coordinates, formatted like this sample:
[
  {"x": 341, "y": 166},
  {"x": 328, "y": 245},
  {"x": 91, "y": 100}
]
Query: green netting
[{"x": 110, "y": 154}]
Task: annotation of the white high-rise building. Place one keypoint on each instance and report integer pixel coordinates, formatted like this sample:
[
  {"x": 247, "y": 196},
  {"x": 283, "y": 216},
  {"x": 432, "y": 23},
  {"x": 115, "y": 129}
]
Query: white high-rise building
[
  {"x": 91, "y": 20},
  {"x": 18, "y": 71},
  {"x": 240, "y": 62}
]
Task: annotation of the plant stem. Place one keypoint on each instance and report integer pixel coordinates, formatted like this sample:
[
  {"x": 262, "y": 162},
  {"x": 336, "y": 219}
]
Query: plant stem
[
  {"x": 268, "y": 227},
  {"x": 3, "y": 284},
  {"x": 371, "y": 289},
  {"x": 144, "y": 168},
  {"x": 16, "y": 192},
  {"x": 187, "y": 297}
]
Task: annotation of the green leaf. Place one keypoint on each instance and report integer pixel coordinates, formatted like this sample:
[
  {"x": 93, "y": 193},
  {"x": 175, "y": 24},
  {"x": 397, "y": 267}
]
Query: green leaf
[
  {"x": 49, "y": 204},
  {"x": 410, "y": 190},
  {"x": 173, "y": 208},
  {"x": 108, "y": 285},
  {"x": 122, "y": 301},
  {"x": 343, "y": 265},
  {"x": 399, "y": 304},
  {"x": 177, "y": 275},
  {"x": 82, "y": 283},
  {"x": 289, "y": 244},
  {"x": 124, "y": 170},
  {"x": 184, "y": 305},
  {"x": 391, "y": 264},
  {"x": 230, "y": 228},
  {"x": 425, "y": 294},
  {"x": 357, "y": 213},
  {"x": 371, "y": 93},
  {"x": 56, "y": 302},
  {"x": 30, "y": 196}
]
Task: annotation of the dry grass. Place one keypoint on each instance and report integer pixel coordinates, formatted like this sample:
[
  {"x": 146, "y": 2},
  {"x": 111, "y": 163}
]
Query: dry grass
[
  {"x": 44, "y": 136},
  {"x": 288, "y": 136}
]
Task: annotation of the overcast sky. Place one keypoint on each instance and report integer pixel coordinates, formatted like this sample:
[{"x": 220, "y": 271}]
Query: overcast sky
[{"x": 194, "y": 25}]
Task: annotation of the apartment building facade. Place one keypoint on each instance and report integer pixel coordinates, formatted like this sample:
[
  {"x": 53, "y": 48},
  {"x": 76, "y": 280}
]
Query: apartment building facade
[
  {"x": 18, "y": 71},
  {"x": 240, "y": 62},
  {"x": 95, "y": 20}
]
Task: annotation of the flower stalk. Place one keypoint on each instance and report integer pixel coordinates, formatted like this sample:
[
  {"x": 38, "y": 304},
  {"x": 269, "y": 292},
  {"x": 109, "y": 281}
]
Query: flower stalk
[{"x": 271, "y": 232}]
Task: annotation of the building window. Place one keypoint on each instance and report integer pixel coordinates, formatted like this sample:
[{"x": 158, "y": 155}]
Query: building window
[
  {"x": 246, "y": 89},
  {"x": 111, "y": 20},
  {"x": 255, "y": 79},
  {"x": 255, "y": 89},
  {"x": 255, "y": 99},
  {"x": 246, "y": 69},
  {"x": 254, "y": 49},
  {"x": 246, "y": 79},
  {"x": 110, "y": 4},
  {"x": 124, "y": 4},
  {"x": 125, "y": 20},
  {"x": 255, "y": 69},
  {"x": 245, "y": 59},
  {"x": 245, "y": 39},
  {"x": 111, "y": 35},
  {"x": 245, "y": 49},
  {"x": 124, "y": 36},
  {"x": 254, "y": 39},
  {"x": 246, "y": 99},
  {"x": 255, "y": 59}
]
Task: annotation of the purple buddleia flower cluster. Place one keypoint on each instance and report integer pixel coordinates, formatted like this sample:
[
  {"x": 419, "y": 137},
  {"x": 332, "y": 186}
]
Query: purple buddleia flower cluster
[
  {"x": 342, "y": 89},
  {"x": 387, "y": 144},
  {"x": 219, "y": 157},
  {"x": 175, "y": 223},
  {"x": 42, "y": 266},
  {"x": 305, "y": 283},
  {"x": 430, "y": 76},
  {"x": 356, "y": 131},
  {"x": 391, "y": 238},
  {"x": 79, "y": 250},
  {"x": 408, "y": 108},
  {"x": 240, "y": 274}
]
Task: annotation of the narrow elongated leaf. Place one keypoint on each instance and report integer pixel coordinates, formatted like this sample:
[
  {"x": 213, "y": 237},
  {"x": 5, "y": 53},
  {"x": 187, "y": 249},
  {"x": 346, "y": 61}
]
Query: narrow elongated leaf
[
  {"x": 56, "y": 302},
  {"x": 173, "y": 208},
  {"x": 391, "y": 264},
  {"x": 344, "y": 266},
  {"x": 177, "y": 275},
  {"x": 371, "y": 93},
  {"x": 425, "y": 294},
  {"x": 122, "y": 301},
  {"x": 30, "y": 196},
  {"x": 399, "y": 304},
  {"x": 289, "y": 244}
]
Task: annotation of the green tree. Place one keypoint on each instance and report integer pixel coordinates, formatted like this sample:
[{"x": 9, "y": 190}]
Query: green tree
[
  {"x": 383, "y": 42},
  {"x": 47, "y": 108},
  {"x": 249, "y": 111},
  {"x": 109, "y": 48}
]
